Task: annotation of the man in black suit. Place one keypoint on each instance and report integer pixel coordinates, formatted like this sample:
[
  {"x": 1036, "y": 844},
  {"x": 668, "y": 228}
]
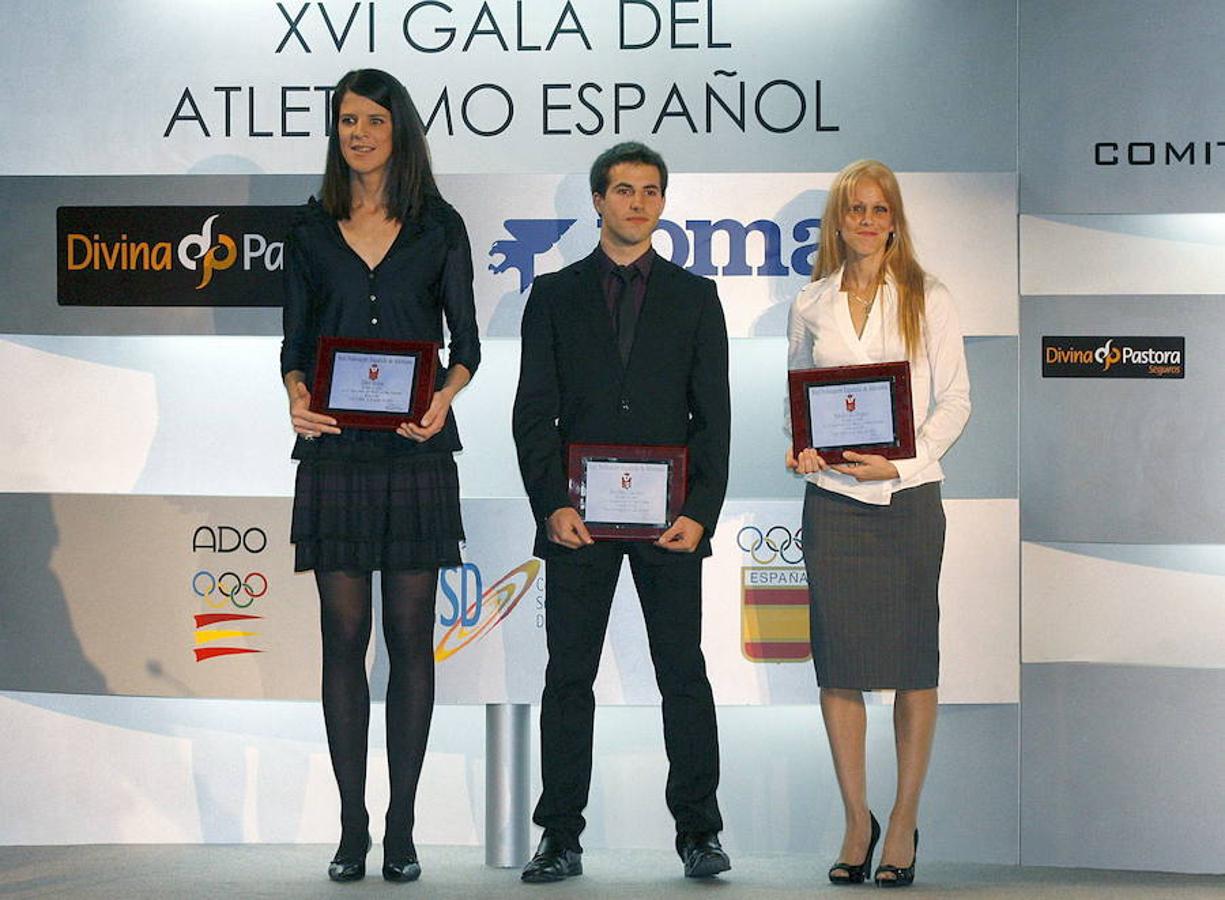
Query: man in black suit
[{"x": 624, "y": 347}]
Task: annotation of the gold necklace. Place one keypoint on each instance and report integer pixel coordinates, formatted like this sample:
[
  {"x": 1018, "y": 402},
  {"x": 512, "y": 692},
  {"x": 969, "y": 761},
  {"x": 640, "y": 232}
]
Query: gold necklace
[{"x": 860, "y": 298}]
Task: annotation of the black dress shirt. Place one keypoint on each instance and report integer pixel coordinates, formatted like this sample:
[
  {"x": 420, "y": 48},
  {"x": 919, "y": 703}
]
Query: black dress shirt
[
  {"x": 637, "y": 287},
  {"x": 426, "y": 276}
]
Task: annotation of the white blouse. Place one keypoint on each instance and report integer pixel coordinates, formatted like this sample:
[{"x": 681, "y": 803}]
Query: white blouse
[{"x": 820, "y": 334}]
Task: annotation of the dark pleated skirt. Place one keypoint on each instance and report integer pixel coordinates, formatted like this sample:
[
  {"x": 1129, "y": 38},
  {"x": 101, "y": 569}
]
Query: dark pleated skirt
[
  {"x": 873, "y": 579},
  {"x": 379, "y": 514}
]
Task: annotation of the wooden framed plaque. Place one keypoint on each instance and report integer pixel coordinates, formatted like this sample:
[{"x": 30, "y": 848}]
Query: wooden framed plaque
[
  {"x": 374, "y": 383},
  {"x": 627, "y": 492},
  {"x": 862, "y": 408}
]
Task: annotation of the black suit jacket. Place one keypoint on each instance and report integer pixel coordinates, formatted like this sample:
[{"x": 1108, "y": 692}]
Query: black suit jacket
[{"x": 573, "y": 386}]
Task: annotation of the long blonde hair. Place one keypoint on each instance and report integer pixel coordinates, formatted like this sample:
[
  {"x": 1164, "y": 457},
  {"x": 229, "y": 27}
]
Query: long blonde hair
[{"x": 900, "y": 261}]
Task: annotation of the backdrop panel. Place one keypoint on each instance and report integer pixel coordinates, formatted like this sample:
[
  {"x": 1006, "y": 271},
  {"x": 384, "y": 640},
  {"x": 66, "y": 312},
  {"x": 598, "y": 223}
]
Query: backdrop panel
[
  {"x": 29, "y": 246},
  {"x": 522, "y": 87},
  {"x": 196, "y": 597},
  {"x": 1122, "y": 767},
  {"x": 755, "y": 234},
  {"x": 1105, "y": 127},
  {"x": 250, "y": 772},
  {"x": 1120, "y": 240},
  {"x": 1173, "y": 254},
  {"x": 1124, "y": 604},
  {"x": 216, "y": 402},
  {"x": 982, "y": 464},
  {"x": 1122, "y": 459}
]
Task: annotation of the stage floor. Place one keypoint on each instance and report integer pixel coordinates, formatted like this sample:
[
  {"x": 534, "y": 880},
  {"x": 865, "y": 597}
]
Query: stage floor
[{"x": 240, "y": 872}]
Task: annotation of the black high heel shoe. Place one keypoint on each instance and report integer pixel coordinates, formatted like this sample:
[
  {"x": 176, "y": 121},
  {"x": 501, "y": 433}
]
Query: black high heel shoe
[
  {"x": 856, "y": 874},
  {"x": 402, "y": 868},
  {"x": 348, "y": 866},
  {"x": 903, "y": 876},
  {"x": 399, "y": 853}
]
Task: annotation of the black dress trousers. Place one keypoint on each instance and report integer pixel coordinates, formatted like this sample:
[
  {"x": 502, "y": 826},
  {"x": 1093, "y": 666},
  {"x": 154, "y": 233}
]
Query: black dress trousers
[{"x": 579, "y": 589}]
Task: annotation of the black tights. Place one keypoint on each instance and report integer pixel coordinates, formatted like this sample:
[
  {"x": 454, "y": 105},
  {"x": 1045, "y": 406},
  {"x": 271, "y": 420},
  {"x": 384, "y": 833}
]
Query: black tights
[{"x": 408, "y": 627}]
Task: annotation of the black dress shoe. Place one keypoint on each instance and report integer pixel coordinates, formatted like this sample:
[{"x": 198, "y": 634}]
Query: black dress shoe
[
  {"x": 555, "y": 860},
  {"x": 401, "y": 867},
  {"x": 702, "y": 854},
  {"x": 349, "y": 864}
]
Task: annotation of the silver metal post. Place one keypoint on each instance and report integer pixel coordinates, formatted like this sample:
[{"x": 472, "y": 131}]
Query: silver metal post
[{"x": 507, "y": 758}]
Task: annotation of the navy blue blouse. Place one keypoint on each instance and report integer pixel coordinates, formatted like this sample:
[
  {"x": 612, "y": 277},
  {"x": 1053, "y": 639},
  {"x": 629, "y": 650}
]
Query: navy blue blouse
[{"x": 425, "y": 277}]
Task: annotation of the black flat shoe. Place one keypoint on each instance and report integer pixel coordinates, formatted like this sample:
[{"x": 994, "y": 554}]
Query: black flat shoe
[
  {"x": 404, "y": 869},
  {"x": 347, "y": 865},
  {"x": 856, "y": 874},
  {"x": 554, "y": 861},
  {"x": 903, "y": 876},
  {"x": 702, "y": 854}
]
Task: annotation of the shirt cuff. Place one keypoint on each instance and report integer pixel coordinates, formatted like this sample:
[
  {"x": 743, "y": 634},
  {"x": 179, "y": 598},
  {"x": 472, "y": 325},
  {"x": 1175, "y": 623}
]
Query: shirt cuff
[{"x": 908, "y": 468}]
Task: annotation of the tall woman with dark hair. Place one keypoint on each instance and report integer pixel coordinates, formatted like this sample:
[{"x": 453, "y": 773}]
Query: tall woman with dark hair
[
  {"x": 874, "y": 528},
  {"x": 382, "y": 256}
]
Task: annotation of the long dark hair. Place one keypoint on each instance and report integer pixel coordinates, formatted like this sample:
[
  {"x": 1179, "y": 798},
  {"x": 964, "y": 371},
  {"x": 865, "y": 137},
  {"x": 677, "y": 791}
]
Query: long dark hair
[{"x": 410, "y": 177}]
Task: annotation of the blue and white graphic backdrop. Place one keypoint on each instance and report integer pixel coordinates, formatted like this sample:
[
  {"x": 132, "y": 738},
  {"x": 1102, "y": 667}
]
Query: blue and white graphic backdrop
[
  {"x": 172, "y": 419},
  {"x": 141, "y": 440}
]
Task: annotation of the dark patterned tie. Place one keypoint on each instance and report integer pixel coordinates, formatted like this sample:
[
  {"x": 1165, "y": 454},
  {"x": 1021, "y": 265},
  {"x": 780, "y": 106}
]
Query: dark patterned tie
[{"x": 625, "y": 311}]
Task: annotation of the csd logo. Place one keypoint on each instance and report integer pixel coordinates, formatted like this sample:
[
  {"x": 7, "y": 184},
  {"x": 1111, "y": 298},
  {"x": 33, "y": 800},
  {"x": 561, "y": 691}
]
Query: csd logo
[
  {"x": 462, "y": 586},
  {"x": 474, "y": 612}
]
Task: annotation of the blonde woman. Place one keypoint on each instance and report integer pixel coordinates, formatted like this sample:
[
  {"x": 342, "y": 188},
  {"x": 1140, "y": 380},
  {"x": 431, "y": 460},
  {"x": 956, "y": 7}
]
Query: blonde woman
[{"x": 873, "y": 527}]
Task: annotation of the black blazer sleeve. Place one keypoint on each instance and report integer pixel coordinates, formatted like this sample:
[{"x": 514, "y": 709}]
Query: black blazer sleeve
[
  {"x": 709, "y": 438},
  {"x": 537, "y": 405}
]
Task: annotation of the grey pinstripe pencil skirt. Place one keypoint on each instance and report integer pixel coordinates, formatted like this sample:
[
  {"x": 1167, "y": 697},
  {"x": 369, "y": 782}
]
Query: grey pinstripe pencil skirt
[{"x": 873, "y": 578}]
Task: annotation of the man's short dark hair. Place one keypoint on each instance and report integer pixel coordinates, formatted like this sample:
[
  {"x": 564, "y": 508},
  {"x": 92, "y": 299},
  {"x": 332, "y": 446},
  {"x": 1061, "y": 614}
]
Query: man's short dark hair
[{"x": 628, "y": 152}]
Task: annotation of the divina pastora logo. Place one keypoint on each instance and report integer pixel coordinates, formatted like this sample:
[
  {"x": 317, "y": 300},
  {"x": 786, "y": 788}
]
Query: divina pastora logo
[
  {"x": 1113, "y": 357},
  {"x": 171, "y": 255}
]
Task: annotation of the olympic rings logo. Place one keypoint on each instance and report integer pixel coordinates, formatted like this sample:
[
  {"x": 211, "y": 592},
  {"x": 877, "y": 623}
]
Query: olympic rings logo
[
  {"x": 227, "y": 586},
  {"x": 776, "y": 542}
]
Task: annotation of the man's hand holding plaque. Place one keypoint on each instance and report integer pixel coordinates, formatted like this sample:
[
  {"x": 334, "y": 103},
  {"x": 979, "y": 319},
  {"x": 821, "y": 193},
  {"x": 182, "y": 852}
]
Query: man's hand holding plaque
[
  {"x": 629, "y": 493},
  {"x": 565, "y": 526},
  {"x": 683, "y": 537}
]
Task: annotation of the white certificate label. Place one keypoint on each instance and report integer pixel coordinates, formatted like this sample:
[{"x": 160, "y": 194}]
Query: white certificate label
[
  {"x": 627, "y": 493},
  {"x": 372, "y": 382},
  {"x": 851, "y": 415}
]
